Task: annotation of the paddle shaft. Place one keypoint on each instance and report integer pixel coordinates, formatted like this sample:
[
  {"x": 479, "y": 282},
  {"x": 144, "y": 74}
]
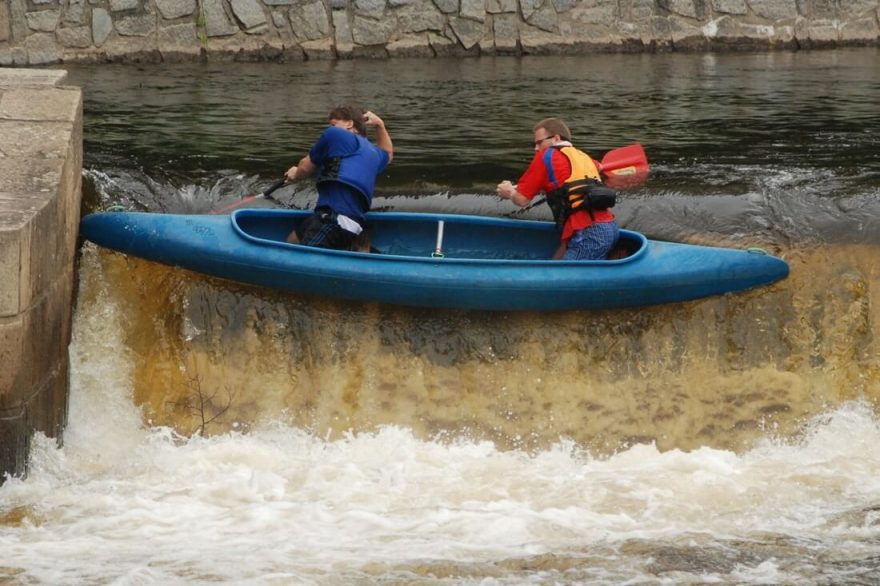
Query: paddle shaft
[{"x": 250, "y": 198}]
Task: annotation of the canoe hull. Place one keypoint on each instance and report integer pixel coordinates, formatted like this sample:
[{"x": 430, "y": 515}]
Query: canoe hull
[{"x": 248, "y": 247}]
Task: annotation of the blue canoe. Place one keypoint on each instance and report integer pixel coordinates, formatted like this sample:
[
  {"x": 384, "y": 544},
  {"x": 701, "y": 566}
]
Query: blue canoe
[{"x": 487, "y": 263}]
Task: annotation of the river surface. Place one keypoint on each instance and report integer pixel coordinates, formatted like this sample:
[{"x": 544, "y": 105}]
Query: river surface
[{"x": 219, "y": 433}]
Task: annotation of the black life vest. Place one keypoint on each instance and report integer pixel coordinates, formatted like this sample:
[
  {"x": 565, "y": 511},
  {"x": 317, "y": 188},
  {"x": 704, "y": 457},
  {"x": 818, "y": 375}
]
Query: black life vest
[{"x": 583, "y": 190}]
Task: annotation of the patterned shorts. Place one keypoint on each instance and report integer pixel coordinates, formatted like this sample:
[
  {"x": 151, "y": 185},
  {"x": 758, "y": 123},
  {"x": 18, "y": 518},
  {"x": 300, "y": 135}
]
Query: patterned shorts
[
  {"x": 321, "y": 230},
  {"x": 593, "y": 242}
]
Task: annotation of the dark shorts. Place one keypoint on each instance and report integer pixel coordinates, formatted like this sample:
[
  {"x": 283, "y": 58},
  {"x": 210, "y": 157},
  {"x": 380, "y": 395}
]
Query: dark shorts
[{"x": 321, "y": 230}]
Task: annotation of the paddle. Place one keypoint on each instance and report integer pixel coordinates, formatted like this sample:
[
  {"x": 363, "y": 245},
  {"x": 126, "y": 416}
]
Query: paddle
[
  {"x": 251, "y": 198},
  {"x": 625, "y": 166}
]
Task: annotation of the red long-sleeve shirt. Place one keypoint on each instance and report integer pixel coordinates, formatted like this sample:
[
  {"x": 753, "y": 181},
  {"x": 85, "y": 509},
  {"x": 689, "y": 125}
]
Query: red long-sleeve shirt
[{"x": 536, "y": 180}]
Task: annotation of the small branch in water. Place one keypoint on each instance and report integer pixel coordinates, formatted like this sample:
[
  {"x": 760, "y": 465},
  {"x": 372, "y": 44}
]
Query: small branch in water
[{"x": 202, "y": 405}]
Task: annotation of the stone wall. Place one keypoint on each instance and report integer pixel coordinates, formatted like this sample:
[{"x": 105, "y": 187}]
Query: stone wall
[
  {"x": 40, "y": 192},
  {"x": 36, "y": 32}
]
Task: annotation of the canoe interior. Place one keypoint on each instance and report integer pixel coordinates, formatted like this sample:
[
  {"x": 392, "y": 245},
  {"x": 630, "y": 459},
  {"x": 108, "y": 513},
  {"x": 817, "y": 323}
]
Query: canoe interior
[{"x": 464, "y": 237}]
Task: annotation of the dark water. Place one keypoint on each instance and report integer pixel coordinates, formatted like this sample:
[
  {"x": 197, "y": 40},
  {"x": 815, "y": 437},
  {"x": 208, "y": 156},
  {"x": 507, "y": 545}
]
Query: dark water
[
  {"x": 784, "y": 144},
  {"x": 731, "y": 440}
]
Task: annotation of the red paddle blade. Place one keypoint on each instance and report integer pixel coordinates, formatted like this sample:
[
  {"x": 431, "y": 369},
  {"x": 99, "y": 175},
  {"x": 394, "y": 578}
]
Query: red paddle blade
[
  {"x": 625, "y": 166},
  {"x": 251, "y": 198},
  {"x": 236, "y": 205}
]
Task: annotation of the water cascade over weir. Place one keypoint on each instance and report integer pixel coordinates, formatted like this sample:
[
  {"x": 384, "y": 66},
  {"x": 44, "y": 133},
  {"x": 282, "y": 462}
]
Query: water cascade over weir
[
  {"x": 211, "y": 356},
  {"x": 771, "y": 150}
]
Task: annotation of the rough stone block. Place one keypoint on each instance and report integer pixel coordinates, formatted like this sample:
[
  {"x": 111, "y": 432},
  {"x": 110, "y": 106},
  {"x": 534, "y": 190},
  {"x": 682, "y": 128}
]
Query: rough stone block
[
  {"x": 140, "y": 25},
  {"x": 818, "y": 9},
  {"x": 45, "y": 21},
  {"x": 564, "y": 5},
  {"x": 321, "y": 49},
  {"x": 537, "y": 42},
  {"x": 642, "y": 11},
  {"x": 18, "y": 20},
  {"x": 249, "y": 13},
  {"x": 133, "y": 49},
  {"x": 47, "y": 331},
  {"x": 342, "y": 31},
  {"x": 42, "y": 49},
  {"x": 309, "y": 21},
  {"x": 369, "y": 8},
  {"x": 686, "y": 8},
  {"x": 79, "y": 37},
  {"x": 469, "y": 32},
  {"x": 590, "y": 15},
  {"x": 862, "y": 28},
  {"x": 29, "y": 177},
  {"x": 545, "y": 18},
  {"x": 682, "y": 30},
  {"x": 446, "y": 47},
  {"x": 4, "y": 22},
  {"x": 411, "y": 46},
  {"x": 41, "y": 141},
  {"x": 447, "y": 6},
  {"x": 474, "y": 10},
  {"x": 370, "y": 52},
  {"x": 14, "y": 248},
  {"x": 366, "y": 31},
  {"x": 30, "y": 78},
  {"x": 47, "y": 411},
  {"x": 859, "y": 9},
  {"x": 817, "y": 33},
  {"x": 11, "y": 355},
  {"x": 528, "y": 7},
  {"x": 179, "y": 38},
  {"x": 501, "y": 6},
  {"x": 10, "y": 56},
  {"x": 418, "y": 18},
  {"x": 102, "y": 26},
  {"x": 121, "y": 5},
  {"x": 32, "y": 104},
  {"x": 738, "y": 7},
  {"x": 217, "y": 23},
  {"x": 506, "y": 31},
  {"x": 74, "y": 13},
  {"x": 173, "y": 9},
  {"x": 775, "y": 9},
  {"x": 15, "y": 441}
]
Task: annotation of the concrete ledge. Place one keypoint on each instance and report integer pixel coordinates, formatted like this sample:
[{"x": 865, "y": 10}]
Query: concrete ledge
[{"x": 40, "y": 192}]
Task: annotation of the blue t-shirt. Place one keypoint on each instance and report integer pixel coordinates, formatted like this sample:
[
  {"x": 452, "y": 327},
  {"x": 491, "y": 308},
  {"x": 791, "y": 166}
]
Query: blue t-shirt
[{"x": 350, "y": 193}]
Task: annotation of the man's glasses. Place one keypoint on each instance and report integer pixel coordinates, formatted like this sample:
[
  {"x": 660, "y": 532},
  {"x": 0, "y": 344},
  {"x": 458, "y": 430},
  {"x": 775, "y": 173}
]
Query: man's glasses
[{"x": 540, "y": 140}]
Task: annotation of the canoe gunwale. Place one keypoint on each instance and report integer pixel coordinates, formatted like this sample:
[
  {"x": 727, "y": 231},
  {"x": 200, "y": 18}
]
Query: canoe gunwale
[{"x": 633, "y": 237}]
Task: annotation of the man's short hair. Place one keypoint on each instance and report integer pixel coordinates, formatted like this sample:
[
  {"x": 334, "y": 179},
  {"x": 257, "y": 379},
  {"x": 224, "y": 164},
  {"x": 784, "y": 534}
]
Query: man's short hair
[
  {"x": 350, "y": 112},
  {"x": 554, "y": 126}
]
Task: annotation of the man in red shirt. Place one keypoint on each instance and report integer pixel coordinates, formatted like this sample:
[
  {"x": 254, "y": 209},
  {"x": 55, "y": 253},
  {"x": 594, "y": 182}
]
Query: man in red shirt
[{"x": 587, "y": 233}]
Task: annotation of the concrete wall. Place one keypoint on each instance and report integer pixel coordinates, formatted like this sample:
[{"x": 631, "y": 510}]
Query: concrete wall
[
  {"x": 49, "y": 31},
  {"x": 40, "y": 192}
]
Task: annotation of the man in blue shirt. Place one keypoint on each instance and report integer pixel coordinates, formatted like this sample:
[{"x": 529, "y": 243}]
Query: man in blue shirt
[{"x": 345, "y": 165}]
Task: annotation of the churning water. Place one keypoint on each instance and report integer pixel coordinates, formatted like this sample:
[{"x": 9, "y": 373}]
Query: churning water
[{"x": 224, "y": 434}]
